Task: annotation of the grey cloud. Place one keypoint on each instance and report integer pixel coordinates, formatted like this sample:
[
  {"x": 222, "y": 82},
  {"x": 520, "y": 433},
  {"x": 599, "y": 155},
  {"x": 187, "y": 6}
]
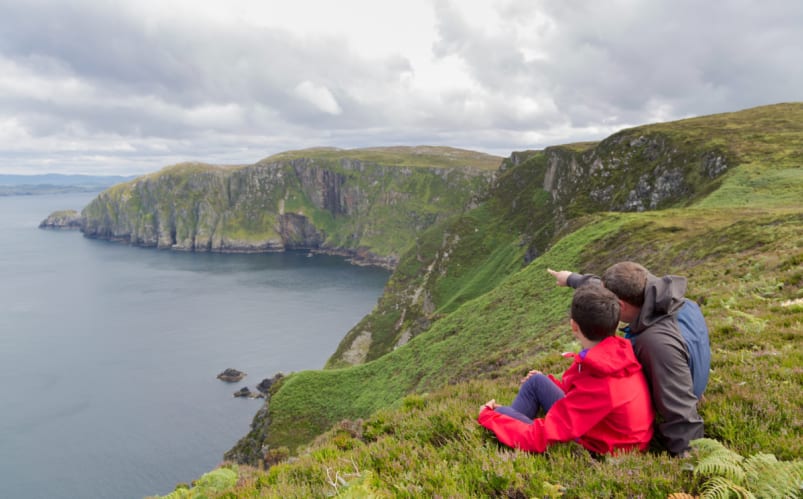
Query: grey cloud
[
  {"x": 184, "y": 63},
  {"x": 623, "y": 59},
  {"x": 149, "y": 91}
]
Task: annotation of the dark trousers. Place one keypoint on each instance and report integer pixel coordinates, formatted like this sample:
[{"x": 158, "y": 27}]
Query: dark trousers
[{"x": 535, "y": 394}]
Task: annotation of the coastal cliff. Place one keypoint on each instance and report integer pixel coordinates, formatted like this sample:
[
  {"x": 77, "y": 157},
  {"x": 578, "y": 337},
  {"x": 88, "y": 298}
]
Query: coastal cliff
[
  {"x": 367, "y": 205},
  {"x": 535, "y": 196},
  {"x": 62, "y": 219}
]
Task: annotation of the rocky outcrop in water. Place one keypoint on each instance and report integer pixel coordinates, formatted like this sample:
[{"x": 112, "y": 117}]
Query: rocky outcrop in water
[
  {"x": 231, "y": 375},
  {"x": 246, "y": 392},
  {"x": 63, "y": 219}
]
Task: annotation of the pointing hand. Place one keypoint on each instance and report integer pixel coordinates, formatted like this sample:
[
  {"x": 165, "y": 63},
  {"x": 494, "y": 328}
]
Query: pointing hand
[{"x": 561, "y": 276}]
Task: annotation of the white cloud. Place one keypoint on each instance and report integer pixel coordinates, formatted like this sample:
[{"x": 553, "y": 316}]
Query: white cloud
[{"x": 319, "y": 96}]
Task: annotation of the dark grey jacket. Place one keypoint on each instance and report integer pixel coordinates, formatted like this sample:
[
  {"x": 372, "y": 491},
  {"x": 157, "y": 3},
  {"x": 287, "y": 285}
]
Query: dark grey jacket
[{"x": 661, "y": 350}]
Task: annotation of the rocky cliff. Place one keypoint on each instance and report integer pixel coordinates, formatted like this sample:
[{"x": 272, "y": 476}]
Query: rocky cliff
[
  {"x": 330, "y": 202},
  {"x": 62, "y": 219},
  {"x": 534, "y": 197},
  {"x": 633, "y": 170}
]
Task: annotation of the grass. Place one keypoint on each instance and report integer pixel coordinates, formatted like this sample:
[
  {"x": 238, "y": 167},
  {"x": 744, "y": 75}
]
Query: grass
[
  {"x": 385, "y": 444},
  {"x": 426, "y": 156},
  {"x": 403, "y": 424}
]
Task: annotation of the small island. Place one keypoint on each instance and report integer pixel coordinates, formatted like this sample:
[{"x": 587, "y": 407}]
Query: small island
[{"x": 231, "y": 375}]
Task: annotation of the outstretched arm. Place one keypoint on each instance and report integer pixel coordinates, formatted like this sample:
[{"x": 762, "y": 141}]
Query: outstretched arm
[
  {"x": 572, "y": 279},
  {"x": 561, "y": 276}
]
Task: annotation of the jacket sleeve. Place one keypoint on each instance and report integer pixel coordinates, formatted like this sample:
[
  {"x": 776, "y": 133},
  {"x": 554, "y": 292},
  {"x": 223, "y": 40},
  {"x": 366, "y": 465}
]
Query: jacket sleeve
[
  {"x": 568, "y": 419},
  {"x": 576, "y": 280}
]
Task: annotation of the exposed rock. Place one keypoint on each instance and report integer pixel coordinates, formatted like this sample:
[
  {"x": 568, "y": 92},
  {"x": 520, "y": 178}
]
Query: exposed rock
[
  {"x": 358, "y": 350},
  {"x": 245, "y": 392},
  {"x": 628, "y": 172},
  {"x": 231, "y": 375},
  {"x": 265, "y": 384},
  {"x": 63, "y": 219}
]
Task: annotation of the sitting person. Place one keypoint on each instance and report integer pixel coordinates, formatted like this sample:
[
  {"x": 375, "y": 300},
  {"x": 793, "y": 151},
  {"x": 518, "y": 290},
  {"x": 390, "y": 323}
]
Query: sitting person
[
  {"x": 602, "y": 400},
  {"x": 676, "y": 363}
]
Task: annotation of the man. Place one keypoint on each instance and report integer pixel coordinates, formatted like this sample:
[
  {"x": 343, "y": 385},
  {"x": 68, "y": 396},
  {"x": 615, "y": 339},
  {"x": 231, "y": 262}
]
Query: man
[
  {"x": 650, "y": 305},
  {"x": 602, "y": 400}
]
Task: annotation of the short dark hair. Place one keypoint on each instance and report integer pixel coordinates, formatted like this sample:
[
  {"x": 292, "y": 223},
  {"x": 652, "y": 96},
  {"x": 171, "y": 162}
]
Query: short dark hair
[
  {"x": 596, "y": 311},
  {"x": 627, "y": 280}
]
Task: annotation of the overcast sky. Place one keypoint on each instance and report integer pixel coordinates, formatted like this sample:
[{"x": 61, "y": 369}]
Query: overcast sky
[{"x": 130, "y": 86}]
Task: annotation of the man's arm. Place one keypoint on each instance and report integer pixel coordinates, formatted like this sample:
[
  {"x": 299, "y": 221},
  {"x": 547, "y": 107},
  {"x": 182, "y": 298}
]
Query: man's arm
[{"x": 572, "y": 279}]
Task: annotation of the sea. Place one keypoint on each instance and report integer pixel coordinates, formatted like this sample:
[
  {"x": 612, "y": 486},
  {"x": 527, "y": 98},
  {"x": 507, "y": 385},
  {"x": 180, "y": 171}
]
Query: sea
[{"x": 109, "y": 354}]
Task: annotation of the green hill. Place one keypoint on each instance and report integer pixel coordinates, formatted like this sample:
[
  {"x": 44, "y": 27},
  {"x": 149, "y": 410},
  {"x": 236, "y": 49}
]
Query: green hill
[{"x": 470, "y": 308}]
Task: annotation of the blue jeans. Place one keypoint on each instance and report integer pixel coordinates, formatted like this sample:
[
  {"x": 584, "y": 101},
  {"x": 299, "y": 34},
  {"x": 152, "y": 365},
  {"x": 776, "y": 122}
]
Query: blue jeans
[{"x": 538, "y": 392}]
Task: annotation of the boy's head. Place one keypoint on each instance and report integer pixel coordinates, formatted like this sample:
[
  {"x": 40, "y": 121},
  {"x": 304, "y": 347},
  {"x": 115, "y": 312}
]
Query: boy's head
[
  {"x": 596, "y": 311},
  {"x": 627, "y": 280}
]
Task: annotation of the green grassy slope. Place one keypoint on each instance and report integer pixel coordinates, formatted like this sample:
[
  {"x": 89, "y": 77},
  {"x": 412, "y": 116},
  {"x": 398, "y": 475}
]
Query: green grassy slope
[
  {"x": 429, "y": 443},
  {"x": 428, "y": 156},
  {"x": 404, "y": 424},
  {"x": 538, "y": 194}
]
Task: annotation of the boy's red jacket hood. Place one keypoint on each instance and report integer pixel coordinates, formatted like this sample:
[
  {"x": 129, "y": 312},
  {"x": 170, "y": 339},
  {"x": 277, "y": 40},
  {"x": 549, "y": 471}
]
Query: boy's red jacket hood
[
  {"x": 607, "y": 406},
  {"x": 610, "y": 357}
]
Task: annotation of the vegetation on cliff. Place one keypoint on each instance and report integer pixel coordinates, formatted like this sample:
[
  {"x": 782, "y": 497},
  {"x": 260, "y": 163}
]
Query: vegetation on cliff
[
  {"x": 477, "y": 308},
  {"x": 365, "y": 204}
]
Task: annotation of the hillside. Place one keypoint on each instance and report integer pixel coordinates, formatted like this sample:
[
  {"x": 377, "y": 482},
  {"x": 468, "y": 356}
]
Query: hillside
[
  {"x": 364, "y": 204},
  {"x": 534, "y": 197},
  {"x": 718, "y": 199}
]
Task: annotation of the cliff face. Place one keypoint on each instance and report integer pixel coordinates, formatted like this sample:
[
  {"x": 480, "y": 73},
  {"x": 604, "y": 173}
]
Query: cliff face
[
  {"x": 366, "y": 211},
  {"x": 535, "y": 196},
  {"x": 63, "y": 219},
  {"x": 634, "y": 170}
]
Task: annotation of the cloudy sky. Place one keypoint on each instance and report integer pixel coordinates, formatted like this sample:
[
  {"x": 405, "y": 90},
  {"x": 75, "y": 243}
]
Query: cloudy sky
[{"x": 130, "y": 86}]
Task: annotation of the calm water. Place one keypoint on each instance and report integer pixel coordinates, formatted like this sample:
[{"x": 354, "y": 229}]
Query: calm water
[{"x": 108, "y": 353}]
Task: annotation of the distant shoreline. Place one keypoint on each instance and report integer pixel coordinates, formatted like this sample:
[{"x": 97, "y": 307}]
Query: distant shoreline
[
  {"x": 36, "y": 190},
  {"x": 56, "y": 183}
]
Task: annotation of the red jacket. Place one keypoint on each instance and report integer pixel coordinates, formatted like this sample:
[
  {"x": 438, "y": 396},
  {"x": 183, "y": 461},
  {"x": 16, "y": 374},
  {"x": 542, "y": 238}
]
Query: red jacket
[{"x": 607, "y": 406}]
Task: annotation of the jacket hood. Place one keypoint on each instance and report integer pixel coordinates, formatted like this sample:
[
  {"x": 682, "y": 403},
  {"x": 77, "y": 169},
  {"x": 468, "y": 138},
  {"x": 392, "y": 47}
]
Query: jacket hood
[
  {"x": 662, "y": 296},
  {"x": 612, "y": 356}
]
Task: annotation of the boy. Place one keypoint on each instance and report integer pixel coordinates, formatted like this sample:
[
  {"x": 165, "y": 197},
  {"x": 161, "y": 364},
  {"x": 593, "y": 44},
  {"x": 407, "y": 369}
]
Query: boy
[{"x": 602, "y": 401}]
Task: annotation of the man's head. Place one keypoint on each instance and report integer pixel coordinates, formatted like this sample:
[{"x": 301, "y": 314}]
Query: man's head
[
  {"x": 595, "y": 310},
  {"x": 627, "y": 280}
]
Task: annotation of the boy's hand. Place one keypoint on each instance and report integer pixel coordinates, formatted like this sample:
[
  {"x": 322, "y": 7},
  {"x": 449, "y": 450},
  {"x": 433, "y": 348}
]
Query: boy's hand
[
  {"x": 530, "y": 375},
  {"x": 491, "y": 404},
  {"x": 561, "y": 276}
]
